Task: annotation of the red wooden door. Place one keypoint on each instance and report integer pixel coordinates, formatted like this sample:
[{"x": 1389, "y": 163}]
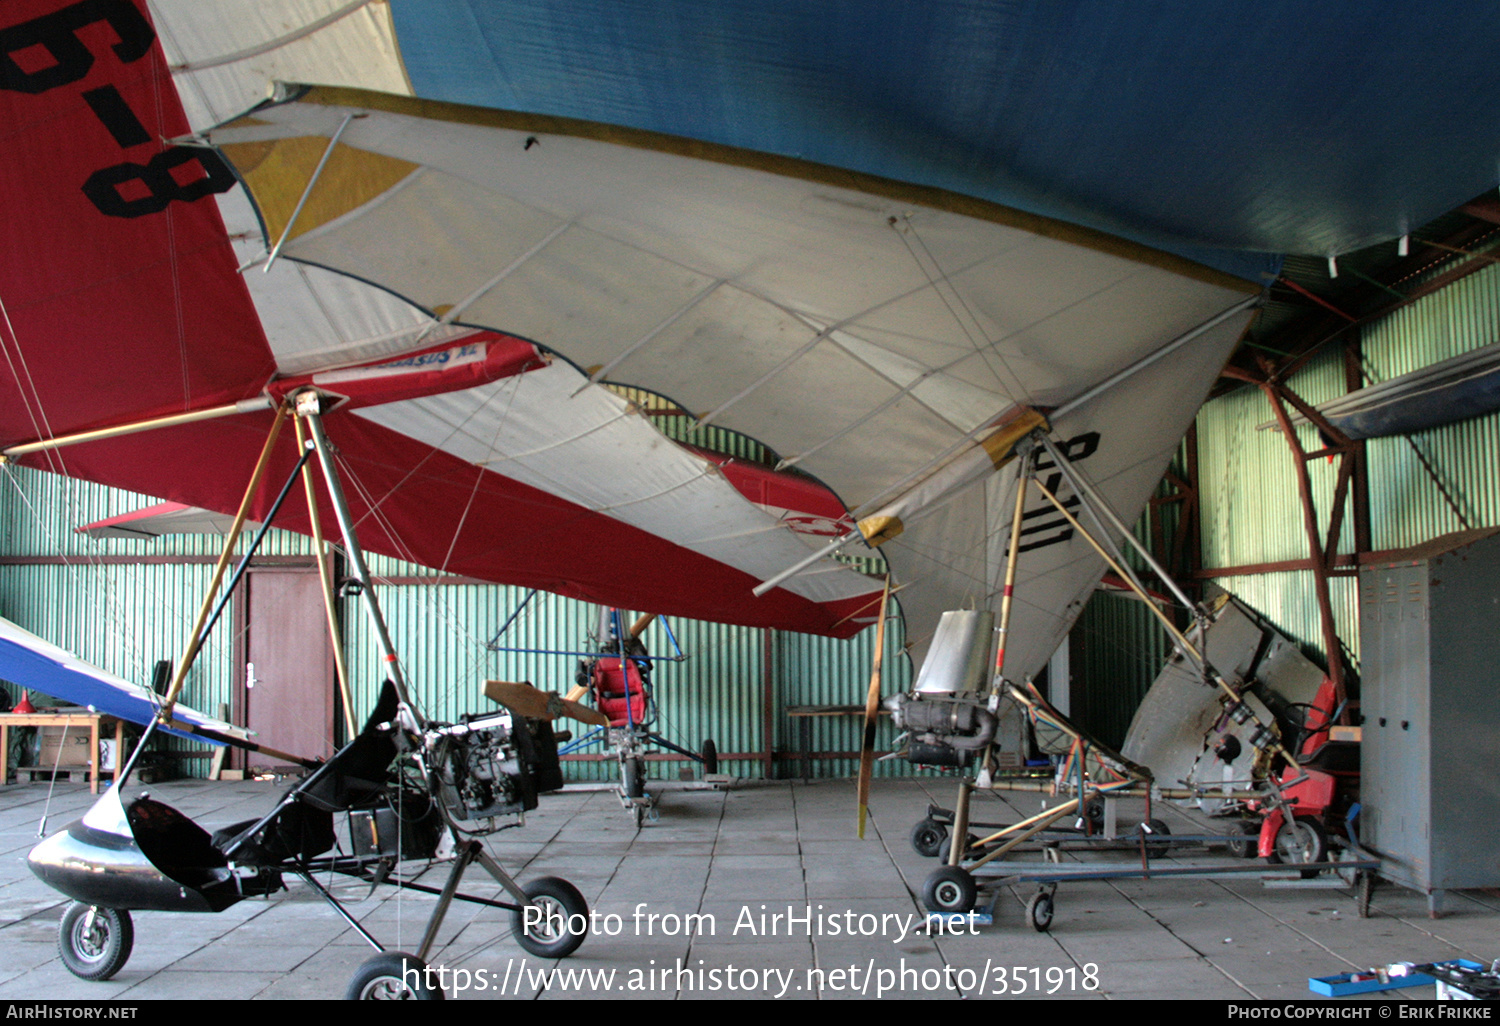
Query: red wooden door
[{"x": 287, "y": 683}]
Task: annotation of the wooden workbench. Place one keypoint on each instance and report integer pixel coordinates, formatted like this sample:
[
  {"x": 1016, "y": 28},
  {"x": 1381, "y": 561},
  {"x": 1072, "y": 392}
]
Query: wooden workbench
[
  {"x": 95, "y": 722},
  {"x": 803, "y": 716}
]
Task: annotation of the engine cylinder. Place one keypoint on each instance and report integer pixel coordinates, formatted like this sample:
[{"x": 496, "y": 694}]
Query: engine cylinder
[{"x": 958, "y": 660}]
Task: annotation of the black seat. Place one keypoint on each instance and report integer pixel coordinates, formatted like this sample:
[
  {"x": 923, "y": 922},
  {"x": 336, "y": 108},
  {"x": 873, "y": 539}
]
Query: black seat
[
  {"x": 1333, "y": 757},
  {"x": 358, "y": 773},
  {"x": 302, "y": 824}
]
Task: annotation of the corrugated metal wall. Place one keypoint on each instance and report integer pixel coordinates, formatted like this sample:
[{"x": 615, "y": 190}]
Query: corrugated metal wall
[
  {"x": 122, "y": 618},
  {"x": 39, "y": 512},
  {"x": 1247, "y": 477},
  {"x": 125, "y": 615},
  {"x": 1407, "y": 504},
  {"x": 1249, "y": 494}
]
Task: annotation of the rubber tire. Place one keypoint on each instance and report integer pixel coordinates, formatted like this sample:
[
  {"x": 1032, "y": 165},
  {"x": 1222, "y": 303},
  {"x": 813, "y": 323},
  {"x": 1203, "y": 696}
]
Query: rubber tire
[
  {"x": 927, "y": 838},
  {"x": 633, "y": 777},
  {"x": 1249, "y": 848},
  {"x": 710, "y": 757},
  {"x": 105, "y": 953},
  {"x": 947, "y": 842},
  {"x": 1366, "y": 892},
  {"x": 1349, "y": 876},
  {"x": 1313, "y": 847},
  {"x": 950, "y": 890},
  {"x": 638, "y": 813},
  {"x": 1155, "y": 849},
  {"x": 565, "y": 899},
  {"x": 1039, "y": 911},
  {"x": 384, "y": 978}
]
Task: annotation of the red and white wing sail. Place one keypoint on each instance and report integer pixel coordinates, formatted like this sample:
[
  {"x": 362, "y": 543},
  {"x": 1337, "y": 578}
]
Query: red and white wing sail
[{"x": 472, "y": 451}]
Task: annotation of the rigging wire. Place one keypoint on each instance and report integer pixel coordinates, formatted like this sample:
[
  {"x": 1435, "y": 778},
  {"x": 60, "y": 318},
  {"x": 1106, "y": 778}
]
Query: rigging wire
[
  {"x": 975, "y": 333},
  {"x": 443, "y": 613}
]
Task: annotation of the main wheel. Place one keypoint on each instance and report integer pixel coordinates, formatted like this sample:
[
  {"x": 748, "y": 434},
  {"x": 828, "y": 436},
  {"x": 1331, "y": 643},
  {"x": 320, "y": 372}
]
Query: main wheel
[
  {"x": 1151, "y": 829},
  {"x": 710, "y": 757},
  {"x": 1247, "y": 839},
  {"x": 392, "y": 976},
  {"x": 1366, "y": 892},
  {"x": 97, "y": 947},
  {"x": 945, "y": 846},
  {"x": 1298, "y": 842},
  {"x": 1039, "y": 911},
  {"x": 950, "y": 891},
  {"x": 927, "y": 838},
  {"x": 560, "y": 925},
  {"x": 633, "y": 777}
]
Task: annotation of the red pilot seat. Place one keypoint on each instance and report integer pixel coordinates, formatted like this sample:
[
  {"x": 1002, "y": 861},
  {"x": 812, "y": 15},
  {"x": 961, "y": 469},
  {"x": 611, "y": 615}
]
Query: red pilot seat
[{"x": 620, "y": 696}]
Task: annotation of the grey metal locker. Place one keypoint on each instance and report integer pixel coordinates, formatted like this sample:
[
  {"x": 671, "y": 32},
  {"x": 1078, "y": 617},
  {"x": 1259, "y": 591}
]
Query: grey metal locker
[{"x": 1430, "y": 695}]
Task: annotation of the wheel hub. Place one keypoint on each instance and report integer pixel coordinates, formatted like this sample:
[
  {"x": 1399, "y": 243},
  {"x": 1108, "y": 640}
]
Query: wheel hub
[
  {"x": 554, "y": 919},
  {"x": 385, "y": 988},
  {"x": 92, "y": 940}
]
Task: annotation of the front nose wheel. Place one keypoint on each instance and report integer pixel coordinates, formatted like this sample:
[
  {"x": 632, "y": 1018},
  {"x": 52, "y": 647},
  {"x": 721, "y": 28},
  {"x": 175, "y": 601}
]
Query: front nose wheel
[{"x": 95, "y": 941}]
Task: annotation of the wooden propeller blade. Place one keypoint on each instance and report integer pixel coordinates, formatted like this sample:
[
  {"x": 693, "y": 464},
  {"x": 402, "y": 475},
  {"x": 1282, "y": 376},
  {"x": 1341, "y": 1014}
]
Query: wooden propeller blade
[
  {"x": 535, "y": 704},
  {"x": 872, "y": 713},
  {"x": 641, "y": 624}
]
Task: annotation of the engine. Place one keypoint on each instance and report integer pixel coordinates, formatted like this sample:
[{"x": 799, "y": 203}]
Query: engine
[
  {"x": 944, "y": 730},
  {"x": 493, "y": 765},
  {"x": 945, "y": 717}
]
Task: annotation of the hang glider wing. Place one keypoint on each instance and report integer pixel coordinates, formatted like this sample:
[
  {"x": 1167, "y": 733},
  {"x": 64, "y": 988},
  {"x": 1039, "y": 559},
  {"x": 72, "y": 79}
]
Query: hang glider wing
[
  {"x": 1121, "y": 443},
  {"x": 39, "y": 665},
  {"x": 159, "y": 519},
  {"x": 867, "y": 331},
  {"x": 473, "y": 452}
]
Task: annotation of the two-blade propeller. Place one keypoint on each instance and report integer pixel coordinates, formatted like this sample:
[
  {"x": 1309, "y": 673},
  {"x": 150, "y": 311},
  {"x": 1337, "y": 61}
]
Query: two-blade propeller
[
  {"x": 872, "y": 712},
  {"x": 533, "y": 703}
]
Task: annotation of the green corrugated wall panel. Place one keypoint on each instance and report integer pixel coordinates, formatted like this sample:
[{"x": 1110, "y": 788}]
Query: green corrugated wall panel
[
  {"x": 440, "y": 632},
  {"x": 716, "y": 692},
  {"x": 1287, "y": 600},
  {"x": 124, "y": 619},
  {"x": 1406, "y": 505},
  {"x": 1116, "y": 649},
  {"x": 821, "y": 671},
  {"x": 121, "y": 618},
  {"x": 1247, "y": 478},
  {"x": 1455, "y": 320}
]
